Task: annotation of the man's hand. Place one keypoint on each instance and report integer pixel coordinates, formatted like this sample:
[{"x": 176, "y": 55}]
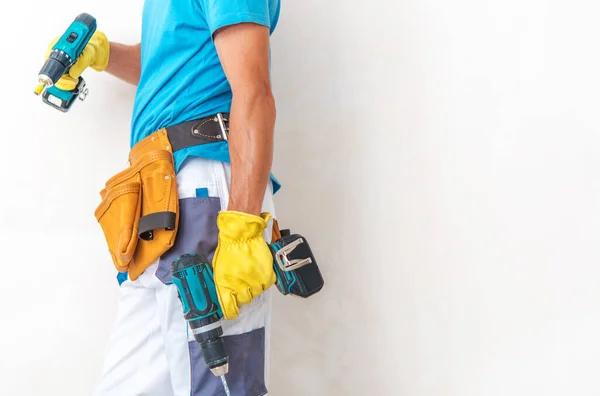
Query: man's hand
[
  {"x": 119, "y": 60},
  {"x": 95, "y": 55},
  {"x": 242, "y": 264}
]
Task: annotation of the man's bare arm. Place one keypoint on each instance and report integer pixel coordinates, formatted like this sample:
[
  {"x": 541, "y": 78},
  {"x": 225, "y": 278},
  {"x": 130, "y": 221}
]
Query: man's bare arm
[
  {"x": 124, "y": 62},
  {"x": 244, "y": 53}
]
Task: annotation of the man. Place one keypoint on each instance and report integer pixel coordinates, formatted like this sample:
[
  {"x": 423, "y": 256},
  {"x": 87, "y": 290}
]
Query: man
[{"x": 203, "y": 60}]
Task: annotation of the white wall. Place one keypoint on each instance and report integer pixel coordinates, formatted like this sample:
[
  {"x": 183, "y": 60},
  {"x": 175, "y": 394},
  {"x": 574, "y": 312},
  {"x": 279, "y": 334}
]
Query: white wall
[{"x": 440, "y": 156}]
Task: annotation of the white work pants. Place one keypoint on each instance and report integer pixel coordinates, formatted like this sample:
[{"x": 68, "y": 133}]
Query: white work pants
[{"x": 151, "y": 351}]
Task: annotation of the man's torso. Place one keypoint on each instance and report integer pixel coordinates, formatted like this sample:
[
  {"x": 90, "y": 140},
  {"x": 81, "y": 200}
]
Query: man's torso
[{"x": 181, "y": 76}]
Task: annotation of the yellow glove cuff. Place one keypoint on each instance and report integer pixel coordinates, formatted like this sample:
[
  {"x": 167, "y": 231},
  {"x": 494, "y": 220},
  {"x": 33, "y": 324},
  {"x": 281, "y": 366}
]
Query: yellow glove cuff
[
  {"x": 238, "y": 226},
  {"x": 100, "y": 43}
]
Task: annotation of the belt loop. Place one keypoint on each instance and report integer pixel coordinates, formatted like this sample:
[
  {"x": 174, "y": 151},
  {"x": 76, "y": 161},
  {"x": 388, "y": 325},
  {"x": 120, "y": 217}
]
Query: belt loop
[{"x": 224, "y": 128}]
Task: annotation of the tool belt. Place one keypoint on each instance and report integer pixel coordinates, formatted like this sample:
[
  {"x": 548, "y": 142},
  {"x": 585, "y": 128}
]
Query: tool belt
[{"x": 139, "y": 210}]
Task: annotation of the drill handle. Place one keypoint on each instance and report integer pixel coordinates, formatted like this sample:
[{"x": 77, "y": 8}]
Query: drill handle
[{"x": 193, "y": 277}]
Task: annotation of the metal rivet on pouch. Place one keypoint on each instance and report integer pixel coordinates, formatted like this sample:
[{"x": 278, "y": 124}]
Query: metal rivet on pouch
[{"x": 167, "y": 177}]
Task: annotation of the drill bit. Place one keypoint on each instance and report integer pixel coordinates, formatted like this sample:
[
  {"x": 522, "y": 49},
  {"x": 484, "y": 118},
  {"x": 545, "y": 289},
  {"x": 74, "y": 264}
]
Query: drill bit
[
  {"x": 224, "y": 381},
  {"x": 39, "y": 89}
]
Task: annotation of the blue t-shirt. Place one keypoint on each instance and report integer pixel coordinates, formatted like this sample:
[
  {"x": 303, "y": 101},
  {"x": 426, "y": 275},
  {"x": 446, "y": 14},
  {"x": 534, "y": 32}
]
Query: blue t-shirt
[{"x": 181, "y": 76}]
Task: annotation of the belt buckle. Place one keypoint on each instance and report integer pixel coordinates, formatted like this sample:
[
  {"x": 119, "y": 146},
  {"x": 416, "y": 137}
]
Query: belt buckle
[
  {"x": 224, "y": 130},
  {"x": 285, "y": 263}
]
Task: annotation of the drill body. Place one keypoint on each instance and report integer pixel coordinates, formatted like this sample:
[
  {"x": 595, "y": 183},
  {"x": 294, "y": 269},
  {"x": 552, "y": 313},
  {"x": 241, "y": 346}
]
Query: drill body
[
  {"x": 63, "y": 55},
  {"x": 193, "y": 277}
]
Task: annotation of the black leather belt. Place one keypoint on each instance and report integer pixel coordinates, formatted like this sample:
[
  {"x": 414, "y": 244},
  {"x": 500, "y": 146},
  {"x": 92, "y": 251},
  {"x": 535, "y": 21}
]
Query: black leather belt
[{"x": 205, "y": 130}]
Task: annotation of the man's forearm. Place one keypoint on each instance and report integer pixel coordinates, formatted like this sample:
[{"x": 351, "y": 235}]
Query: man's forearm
[
  {"x": 124, "y": 62},
  {"x": 251, "y": 131}
]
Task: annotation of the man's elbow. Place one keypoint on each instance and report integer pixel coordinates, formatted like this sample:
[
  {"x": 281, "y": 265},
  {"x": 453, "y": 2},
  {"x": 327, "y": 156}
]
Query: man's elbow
[{"x": 256, "y": 96}]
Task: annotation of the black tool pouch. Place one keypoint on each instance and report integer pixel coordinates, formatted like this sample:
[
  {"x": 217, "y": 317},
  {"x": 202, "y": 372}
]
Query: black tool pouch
[{"x": 295, "y": 266}]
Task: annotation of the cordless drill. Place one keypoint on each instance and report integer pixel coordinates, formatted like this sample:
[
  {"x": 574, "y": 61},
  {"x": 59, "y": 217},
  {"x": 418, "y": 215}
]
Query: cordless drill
[
  {"x": 297, "y": 274},
  {"x": 192, "y": 274},
  {"x": 63, "y": 55}
]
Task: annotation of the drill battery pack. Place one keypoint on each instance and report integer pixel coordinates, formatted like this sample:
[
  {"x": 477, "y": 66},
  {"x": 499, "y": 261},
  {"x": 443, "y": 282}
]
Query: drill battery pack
[
  {"x": 63, "y": 100},
  {"x": 295, "y": 265}
]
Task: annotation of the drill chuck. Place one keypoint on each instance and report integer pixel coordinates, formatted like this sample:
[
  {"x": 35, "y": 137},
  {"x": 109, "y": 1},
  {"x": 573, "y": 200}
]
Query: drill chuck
[
  {"x": 207, "y": 332},
  {"x": 55, "y": 66},
  {"x": 192, "y": 275},
  {"x": 215, "y": 356}
]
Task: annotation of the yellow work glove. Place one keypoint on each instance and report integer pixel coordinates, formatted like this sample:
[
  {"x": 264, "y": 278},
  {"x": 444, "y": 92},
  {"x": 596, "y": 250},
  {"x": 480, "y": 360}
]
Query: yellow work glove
[
  {"x": 95, "y": 55},
  {"x": 242, "y": 264}
]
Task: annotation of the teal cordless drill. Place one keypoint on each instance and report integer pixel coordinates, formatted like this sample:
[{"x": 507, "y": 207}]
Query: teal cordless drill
[
  {"x": 193, "y": 277},
  {"x": 297, "y": 274},
  {"x": 63, "y": 55}
]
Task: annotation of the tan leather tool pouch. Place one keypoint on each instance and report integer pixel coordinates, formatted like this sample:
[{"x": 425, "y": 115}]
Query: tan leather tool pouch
[
  {"x": 119, "y": 214},
  {"x": 139, "y": 211}
]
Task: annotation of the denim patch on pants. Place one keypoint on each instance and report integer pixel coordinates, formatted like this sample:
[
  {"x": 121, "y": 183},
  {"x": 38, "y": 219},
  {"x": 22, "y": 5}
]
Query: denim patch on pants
[
  {"x": 197, "y": 232},
  {"x": 246, "y": 374}
]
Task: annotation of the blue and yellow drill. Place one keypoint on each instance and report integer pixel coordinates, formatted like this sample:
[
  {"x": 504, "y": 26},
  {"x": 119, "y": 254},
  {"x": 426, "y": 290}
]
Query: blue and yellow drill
[
  {"x": 297, "y": 274},
  {"x": 63, "y": 55}
]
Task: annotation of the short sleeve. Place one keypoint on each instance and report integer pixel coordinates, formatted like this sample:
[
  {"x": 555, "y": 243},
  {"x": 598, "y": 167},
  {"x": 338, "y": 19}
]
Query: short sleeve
[{"x": 220, "y": 13}]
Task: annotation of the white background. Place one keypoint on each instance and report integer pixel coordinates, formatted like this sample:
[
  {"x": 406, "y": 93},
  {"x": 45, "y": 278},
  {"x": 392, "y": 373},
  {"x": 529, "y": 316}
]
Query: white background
[{"x": 441, "y": 157}]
